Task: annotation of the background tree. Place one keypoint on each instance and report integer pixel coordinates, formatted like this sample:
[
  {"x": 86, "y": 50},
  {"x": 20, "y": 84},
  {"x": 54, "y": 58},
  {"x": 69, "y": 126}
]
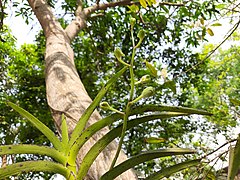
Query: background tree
[{"x": 165, "y": 25}]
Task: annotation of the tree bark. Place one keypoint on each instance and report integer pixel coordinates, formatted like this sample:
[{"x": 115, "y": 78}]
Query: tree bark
[{"x": 65, "y": 91}]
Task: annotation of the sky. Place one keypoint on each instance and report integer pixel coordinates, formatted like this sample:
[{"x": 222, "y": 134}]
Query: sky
[{"x": 23, "y": 33}]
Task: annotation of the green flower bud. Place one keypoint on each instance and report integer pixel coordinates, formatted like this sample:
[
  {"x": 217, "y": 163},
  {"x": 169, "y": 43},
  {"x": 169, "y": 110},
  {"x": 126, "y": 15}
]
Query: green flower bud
[
  {"x": 132, "y": 21},
  {"x": 140, "y": 35},
  {"x": 105, "y": 106},
  {"x": 119, "y": 54},
  {"x": 143, "y": 80},
  {"x": 147, "y": 92}
]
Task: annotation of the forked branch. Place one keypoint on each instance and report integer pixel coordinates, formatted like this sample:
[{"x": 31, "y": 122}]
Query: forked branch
[
  {"x": 104, "y": 6},
  {"x": 82, "y": 14}
]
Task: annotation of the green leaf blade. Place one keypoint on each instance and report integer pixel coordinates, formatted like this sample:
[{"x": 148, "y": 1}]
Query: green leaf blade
[
  {"x": 163, "y": 108},
  {"x": 111, "y": 135},
  {"x": 171, "y": 85},
  {"x": 85, "y": 136},
  {"x": 154, "y": 140},
  {"x": 235, "y": 102},
  {"x": 216, "y": 24},
  {"x": 30, "y": 166},
  {"x": 166, "y": 172},
  {"x": 143, "y": 157},
  {"x": 210, "y": 32},
  {"x": 33, "y": 149},
  {"x": 39, "y": 125},
  {"x": 143, "y": 3}
]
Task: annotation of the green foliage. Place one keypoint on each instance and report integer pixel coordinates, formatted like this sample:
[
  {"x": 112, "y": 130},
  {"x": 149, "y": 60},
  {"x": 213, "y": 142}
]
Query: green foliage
[
  {"x": 65, "y": 151},
  {"x": 235, "y": 102},
  {"x": 22, "y": 81},
  {"x": 217, "y": 86},
  {"x": 22, "y": 77},
  {"x": 31, "y": 166},
  {"x": 173, "y": 169},
  {"x": 39, "y": 125},
  {"x": 67, "y": 166},
  {"x": 146, "y": 156}
]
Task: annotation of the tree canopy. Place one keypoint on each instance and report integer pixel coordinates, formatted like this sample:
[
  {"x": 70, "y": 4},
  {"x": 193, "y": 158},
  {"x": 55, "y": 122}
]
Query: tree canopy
[{"x": 184, "y": 77}]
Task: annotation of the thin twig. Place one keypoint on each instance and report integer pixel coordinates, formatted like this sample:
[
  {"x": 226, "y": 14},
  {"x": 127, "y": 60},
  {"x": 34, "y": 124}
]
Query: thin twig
[
  {"x": 230, "y": 10},
  {"x": 226, "y": 143},
  {"x": 216, "y": 160},
  {"x": 214, "y": 50}
]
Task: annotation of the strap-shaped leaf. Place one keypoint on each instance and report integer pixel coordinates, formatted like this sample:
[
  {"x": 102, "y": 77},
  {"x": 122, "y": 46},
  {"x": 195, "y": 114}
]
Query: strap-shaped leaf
[
  {"x": 143, "y": 157},
  {"x": 161, "y": 108},
  {"x": 166, "y": 172},
  {"x": 33, "y": 149},
  {"x": 111, "y": 135},
  {"x": 88, "y": 133},
  {"x": 234, "y": 160},
  {"x": 30, "y": 166},
  {"x": 39, "y": 125},
  {"x": 84, "y": 118},
  {"x": 137, "y": 110}
]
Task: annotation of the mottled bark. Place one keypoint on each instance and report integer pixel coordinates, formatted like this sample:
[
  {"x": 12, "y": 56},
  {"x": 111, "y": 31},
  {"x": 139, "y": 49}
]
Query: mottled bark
[{"x": 65, "y": 91}]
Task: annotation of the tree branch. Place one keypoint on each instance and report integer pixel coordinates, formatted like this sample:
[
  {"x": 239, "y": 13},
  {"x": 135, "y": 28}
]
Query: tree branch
[
  {"x": 91, "y": 9},
  {"x": 79, "y": 7},
  {"x": 46, "y": 18},
  {"x": 96, "y": 7},
  {"x": 80, "y": 22},
  {"x": 215, "y": 150},
  {"x": 171, "y": 4}
]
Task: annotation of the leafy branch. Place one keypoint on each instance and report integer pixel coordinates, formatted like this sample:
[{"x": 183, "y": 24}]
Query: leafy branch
[
  {"x": 104, "y": 6},
  {"x": 234, "y": 28}
]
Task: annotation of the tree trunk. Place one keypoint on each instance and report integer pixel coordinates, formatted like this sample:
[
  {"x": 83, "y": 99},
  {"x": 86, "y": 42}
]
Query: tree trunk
[
  {"x": 66, "y": 94},
  {"x": 65, "y": 91}
]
